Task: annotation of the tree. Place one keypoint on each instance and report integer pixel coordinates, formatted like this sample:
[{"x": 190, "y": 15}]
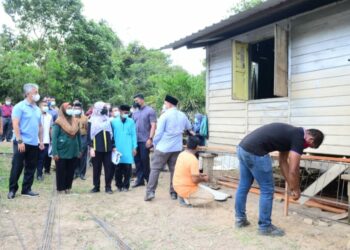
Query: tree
[{"x": 244, "y": 5}]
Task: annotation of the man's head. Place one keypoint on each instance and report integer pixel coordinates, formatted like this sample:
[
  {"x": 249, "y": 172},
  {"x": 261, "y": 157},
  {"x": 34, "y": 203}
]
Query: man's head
[
  {"x": 44, "y": 107},
  {"x": 313, "y": 138},
  {"x": 192, "y": 143},
  {"x": 115, "y": 112},
  {"x": 8, "y": 101},
  {"x": 77, "y": 108},
  {"x": 139, "y": 100},
  {"x": 170, "y": 102},
  {"x": 124, "y": 111},
  {"x": 31, "y": 92}
]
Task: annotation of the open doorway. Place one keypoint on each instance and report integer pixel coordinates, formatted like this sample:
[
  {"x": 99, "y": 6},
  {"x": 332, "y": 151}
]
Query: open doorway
[{"x": 262, "y": 59}]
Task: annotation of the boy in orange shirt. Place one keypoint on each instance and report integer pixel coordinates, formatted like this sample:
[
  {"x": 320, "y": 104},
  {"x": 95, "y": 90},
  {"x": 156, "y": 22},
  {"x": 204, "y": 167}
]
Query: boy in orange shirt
[{"x": 187, "y": 177}]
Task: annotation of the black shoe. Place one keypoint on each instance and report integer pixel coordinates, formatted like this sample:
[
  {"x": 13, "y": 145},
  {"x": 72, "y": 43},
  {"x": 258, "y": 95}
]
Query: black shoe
[
  {"x": 173, "y": 196},
  {"x": 95, "y": 190},
  {"x": 138, "y": 185},
  {"x": 125, "y": 189},
  {"x": 183, "y": 202},
  {"x": 120, "y": 189},
  {"x": 109, "y": 191},
  {"x": 149, "y": 196},
  {"x": 40, "y": 178},
  {"x": 48, "y": 173},
  {"x": 76, "y": 177},
  {"x": 239, "y": 223},
  {"x": 271, "y": 231},
  {"x": 11, "y": 195},
  {"x": 30, "y": 194},
  {"x": 82, "y": 177}
]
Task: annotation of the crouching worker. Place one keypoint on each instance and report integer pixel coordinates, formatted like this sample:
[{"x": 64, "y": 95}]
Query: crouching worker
[{"x": 187, "y": 177}]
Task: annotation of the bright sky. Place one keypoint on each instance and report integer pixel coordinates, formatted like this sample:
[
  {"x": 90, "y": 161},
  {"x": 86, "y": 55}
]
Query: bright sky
[{"x": 155, "y": 23}]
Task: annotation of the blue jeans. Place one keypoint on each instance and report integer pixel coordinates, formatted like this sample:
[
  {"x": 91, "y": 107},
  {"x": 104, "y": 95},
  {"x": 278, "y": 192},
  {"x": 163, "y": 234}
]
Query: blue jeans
[{"x": 259, "y": 168}]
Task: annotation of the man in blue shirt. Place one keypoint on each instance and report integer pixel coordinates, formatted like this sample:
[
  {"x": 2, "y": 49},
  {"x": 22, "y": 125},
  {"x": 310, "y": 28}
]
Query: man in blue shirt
[
  {"x": 168, "y": 144},
  {"x": 26, "y": 119},
  {"x": 125, "y": 142}
]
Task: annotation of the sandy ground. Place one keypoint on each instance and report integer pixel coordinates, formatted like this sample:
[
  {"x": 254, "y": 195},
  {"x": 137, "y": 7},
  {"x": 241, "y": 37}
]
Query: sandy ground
[{"x": 160, "y": 224}]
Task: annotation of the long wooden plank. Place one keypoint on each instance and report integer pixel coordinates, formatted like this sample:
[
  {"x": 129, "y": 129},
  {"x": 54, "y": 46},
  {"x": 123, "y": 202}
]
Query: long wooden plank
[
  {"x": 321, "y": 74},
  {"x": 327, "y": 82},
  {"x": 322, "y": 181},
  {"x": 321, "y": 111}
]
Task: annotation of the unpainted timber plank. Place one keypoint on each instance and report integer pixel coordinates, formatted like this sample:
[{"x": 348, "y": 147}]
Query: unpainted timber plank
[{"x": 328, "y": 176}]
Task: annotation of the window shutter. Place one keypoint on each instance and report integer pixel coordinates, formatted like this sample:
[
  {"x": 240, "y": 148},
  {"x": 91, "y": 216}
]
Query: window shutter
[
  {"x": 281, "y": 62},
  {"x": 240, "y": 70}
]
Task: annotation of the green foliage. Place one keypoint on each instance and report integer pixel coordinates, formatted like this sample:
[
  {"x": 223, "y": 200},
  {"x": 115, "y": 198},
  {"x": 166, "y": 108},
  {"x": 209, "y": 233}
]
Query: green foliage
[
  {"x": 74, "y": 58},
  {"x": 244, "y": 5}
]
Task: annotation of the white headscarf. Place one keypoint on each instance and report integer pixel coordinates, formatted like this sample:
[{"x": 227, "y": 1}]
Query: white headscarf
[{"x": 99, "y": 122}]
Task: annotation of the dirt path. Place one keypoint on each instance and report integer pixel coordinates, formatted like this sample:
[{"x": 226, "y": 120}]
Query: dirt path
[{"x": 160, "y": 224}]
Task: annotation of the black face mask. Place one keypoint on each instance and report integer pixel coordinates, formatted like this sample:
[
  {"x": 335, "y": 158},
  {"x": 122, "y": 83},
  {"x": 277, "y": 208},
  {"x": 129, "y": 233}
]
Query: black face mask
[
  {"x": 104, "y": 111},
  {"x": 137, "y": 105}
]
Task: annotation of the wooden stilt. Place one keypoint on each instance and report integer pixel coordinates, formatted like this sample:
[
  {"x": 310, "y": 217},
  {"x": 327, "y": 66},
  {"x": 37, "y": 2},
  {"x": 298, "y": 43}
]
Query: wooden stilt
[{"x": 286, "y": 200}]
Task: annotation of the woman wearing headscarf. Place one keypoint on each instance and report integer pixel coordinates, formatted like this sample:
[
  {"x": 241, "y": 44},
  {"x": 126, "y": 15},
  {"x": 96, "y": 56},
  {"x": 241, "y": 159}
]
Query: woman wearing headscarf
[
  {"x": 66, "y": 147},
  {"x": 101, "y": 144}
]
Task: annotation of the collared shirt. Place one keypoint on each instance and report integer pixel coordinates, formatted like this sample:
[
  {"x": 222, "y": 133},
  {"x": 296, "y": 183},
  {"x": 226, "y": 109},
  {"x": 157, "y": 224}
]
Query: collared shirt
[
  {"x": 29, "y": 116},
  {"x": 170, "y": 128},
  {"x": 143, "y": 119},
  {"x": 6, "y": 110},
  {"x": 46, "y": 122}
]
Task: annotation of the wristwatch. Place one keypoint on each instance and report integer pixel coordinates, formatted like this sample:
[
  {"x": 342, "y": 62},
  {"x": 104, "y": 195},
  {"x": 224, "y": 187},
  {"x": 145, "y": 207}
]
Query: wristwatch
[{"x": 19, "y": 141}]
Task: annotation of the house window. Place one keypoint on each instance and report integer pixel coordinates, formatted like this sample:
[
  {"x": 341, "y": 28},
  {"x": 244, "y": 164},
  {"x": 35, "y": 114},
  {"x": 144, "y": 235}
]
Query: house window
[{"x": 260, "y": 69}]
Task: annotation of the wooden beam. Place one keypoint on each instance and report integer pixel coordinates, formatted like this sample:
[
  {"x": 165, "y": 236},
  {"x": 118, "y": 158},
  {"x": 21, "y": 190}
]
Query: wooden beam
[{"x": 328, "y": 176}]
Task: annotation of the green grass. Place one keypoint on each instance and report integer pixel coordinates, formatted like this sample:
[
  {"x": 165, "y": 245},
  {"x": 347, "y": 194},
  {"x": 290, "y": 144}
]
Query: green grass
[
  {"x": 5, "y": 168},
  {"x": 5, "y": 147}
]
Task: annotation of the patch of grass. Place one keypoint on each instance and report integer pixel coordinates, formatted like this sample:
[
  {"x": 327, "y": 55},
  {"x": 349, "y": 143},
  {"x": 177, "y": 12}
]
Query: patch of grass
[
  {"x": 5, "y": 168},
  {"x": 5, "y": 147}
]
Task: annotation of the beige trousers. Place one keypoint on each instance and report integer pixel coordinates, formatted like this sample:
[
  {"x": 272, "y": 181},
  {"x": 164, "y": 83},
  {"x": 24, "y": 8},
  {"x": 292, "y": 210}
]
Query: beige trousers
[{"x": 200, "y": 197}]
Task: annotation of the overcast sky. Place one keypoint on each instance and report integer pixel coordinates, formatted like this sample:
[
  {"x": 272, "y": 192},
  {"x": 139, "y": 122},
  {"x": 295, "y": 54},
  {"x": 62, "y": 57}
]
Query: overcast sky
[{"x": 155, "y": 23}]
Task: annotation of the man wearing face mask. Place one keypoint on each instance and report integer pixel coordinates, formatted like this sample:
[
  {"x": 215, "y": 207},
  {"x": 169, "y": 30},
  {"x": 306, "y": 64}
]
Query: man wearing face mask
[
  {"x": 255, "y": 163},
  {"x": 53, "y": 108},
  {"x": 26, "y": 120},
  {"x": 44, "y": 160},
  {"x": 6, "y": 112},
  {"x": 125, "y": 142},
  {"x": 145, "y": 119},
  {"x": 168, "y": 145},
  {"x": 80, "y": 169}
]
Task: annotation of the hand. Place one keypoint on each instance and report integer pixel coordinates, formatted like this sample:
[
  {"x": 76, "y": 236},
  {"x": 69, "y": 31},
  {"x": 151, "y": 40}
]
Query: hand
[
  {"x": 41, "y": 146},
  {"x": 114, "y": 149},
  {"x": 295, "y": 194},
  {"x": 205, "y": 177},
  {"x": 134, "y": 152},
  {"x": 56, "y": 158},
  {"x": 148, "y": 143},
  {"x": 92, "y": 153},
  {"x": 21, "y": 148}
]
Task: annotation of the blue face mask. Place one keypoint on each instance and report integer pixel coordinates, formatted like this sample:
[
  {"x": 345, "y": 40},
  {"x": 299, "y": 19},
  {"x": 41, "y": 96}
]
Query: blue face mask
[
  {"x": 125, "y": 116},
  {"x": 70, "y": 112}
]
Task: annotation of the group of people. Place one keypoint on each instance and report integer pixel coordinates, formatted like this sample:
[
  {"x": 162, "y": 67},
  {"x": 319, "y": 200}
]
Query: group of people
[
  {"x": 117, "y": 138},
  {"x": 67, "y": 135}
]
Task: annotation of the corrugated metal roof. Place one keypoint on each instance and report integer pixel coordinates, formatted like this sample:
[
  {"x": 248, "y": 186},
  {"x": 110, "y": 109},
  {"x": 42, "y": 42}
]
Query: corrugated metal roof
[{"x": 263, "y": 14}]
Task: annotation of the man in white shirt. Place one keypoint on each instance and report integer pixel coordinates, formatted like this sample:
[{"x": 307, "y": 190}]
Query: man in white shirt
[{"x": 44, "y": 161}]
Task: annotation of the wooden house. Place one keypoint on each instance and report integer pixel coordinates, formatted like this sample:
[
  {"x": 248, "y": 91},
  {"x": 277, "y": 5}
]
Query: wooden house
[{"x": 282, "y": 61}]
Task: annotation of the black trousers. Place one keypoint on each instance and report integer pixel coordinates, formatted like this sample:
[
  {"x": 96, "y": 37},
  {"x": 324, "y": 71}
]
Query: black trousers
[
  {"x": 6, "y": 129},
  {"x": 142, "y": 163},
  {"x": 27, "y": 160},
  {"x": 65, "y": 173},
  {"x": 44, "y": 161},
  {"x": 105, "y": 159},
  {"x": 80, "y": 169},
  {"x": 123, "y": 175}
]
